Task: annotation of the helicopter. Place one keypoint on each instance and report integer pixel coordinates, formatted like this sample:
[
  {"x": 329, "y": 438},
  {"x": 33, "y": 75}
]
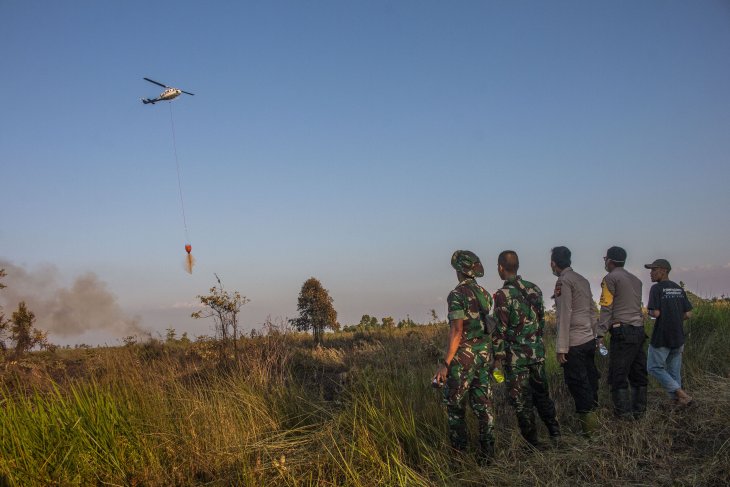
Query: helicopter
[{"x": 166, "y": 95}]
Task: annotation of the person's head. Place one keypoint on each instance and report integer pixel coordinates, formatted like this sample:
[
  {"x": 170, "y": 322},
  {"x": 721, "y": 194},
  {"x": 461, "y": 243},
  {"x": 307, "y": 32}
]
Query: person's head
[
  {"x": 559, "y": 259},
  {"x": 659, "y": 270},
  {"x": 507, "y": 264},
  {"x": 615, "y": 257},
  {"x": 467, "y": 264}
]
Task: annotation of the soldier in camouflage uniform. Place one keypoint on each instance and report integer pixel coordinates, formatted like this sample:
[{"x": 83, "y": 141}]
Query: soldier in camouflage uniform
[
  {"x": 466, "y": 368},
  {"x": 519, "y": 311}
]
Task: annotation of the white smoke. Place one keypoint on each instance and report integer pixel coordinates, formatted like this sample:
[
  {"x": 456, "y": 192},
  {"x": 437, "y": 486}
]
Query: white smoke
[{"x": 65, "y": 311}]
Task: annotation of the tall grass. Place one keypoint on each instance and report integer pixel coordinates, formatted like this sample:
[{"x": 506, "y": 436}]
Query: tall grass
[
  {"x": 708, "y": 340},
  {"x": 358, "y": 411}
]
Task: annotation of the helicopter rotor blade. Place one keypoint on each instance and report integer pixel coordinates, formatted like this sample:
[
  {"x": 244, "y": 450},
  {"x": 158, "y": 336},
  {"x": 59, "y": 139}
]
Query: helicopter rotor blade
[
  {"x": 155, "y": 82},
  {"x": 187, "y": 93}
]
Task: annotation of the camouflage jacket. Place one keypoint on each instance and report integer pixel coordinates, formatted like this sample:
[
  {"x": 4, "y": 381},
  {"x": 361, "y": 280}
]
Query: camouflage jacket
[
  {"x": 520, "y": 315},
  {"x": 464, "y": 303}
]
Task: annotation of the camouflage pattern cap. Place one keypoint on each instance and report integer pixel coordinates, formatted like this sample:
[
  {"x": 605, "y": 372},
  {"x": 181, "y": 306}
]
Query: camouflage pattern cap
[{"x": 467, "y": 262}]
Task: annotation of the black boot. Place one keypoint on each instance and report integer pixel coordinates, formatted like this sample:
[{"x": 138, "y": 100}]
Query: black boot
[
  {"x": 486, "y": 453},
  {"x": 638, "y": 401},
  {"x": 622, "y": 403},
  {"x": 553, "y": 428},
  {"x": 530, "y": 435},
  {"x": 526, "y": 422}
]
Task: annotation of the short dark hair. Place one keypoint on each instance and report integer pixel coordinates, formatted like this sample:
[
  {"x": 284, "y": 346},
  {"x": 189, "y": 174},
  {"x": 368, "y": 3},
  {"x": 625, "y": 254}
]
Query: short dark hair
[
  {"x": 561, "y": 256},
  {"x": 617, "y": 255},
  {"x": 508, "y": 260}
]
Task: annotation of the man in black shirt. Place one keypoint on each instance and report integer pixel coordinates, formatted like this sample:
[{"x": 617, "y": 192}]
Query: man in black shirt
[{"x": 668, "y": 303}]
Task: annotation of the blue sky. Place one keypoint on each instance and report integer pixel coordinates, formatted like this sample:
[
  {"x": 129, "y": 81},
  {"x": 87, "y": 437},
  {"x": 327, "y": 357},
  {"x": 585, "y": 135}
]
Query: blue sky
[{"x": 360, "y": 143}]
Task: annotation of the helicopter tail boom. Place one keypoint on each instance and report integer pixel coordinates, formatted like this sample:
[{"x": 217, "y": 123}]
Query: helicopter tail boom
[{"x": 149, "y": 100}]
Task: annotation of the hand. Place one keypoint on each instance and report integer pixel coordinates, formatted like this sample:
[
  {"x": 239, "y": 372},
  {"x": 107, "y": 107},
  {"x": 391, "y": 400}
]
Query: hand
[
  {"x": 441, "y": 374},
  {"x": 562, "y": 358},
  {"x": 599, "y": 342}
]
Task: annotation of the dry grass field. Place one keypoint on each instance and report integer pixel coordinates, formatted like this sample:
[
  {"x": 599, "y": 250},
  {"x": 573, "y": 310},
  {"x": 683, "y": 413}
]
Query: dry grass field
[{"x": 358, "y": 411}]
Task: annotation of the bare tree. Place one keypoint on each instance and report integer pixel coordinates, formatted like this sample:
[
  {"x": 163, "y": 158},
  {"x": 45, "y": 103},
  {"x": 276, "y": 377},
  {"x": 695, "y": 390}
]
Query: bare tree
[{"x": 223, "y": 307}]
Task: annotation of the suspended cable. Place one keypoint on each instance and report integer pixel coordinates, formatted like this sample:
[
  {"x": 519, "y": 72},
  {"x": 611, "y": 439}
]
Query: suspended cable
[
  {"x": 177, "y": 166},
  {"x": 189, "y": 259}
]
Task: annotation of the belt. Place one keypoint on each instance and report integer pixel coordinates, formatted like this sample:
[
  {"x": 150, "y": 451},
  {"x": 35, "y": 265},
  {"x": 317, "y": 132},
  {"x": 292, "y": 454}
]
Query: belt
[{"x": 618, "y": 325}]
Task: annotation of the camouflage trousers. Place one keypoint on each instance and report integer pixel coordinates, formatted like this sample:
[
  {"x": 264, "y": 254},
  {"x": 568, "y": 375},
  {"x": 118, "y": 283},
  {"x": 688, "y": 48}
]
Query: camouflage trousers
[
  {"x": 468, "y": 377},
  {"x": 527, "y": 387}
]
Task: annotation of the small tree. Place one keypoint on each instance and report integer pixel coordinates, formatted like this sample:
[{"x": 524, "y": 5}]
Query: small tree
[
  {"x": 368, "y": 321},
  {"x": 19, "y": 329},
  {"x": 388, "y": 322},
  {"x": 23, "y": 334},
  {"x": 434, "y": 316},
  {"x": 407, "y": 323},
  {"x": 315, "y": 310},
  {"x": 22, "y": 328},
  {"x": 223, "y": 307}
]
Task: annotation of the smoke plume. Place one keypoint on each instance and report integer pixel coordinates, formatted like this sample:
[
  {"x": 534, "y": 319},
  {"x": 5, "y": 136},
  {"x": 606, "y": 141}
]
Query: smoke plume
[{"x": 65, "y": 311}]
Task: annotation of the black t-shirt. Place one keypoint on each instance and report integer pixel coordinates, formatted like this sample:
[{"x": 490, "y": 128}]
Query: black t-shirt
[{"x": 672, "y": 303}]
